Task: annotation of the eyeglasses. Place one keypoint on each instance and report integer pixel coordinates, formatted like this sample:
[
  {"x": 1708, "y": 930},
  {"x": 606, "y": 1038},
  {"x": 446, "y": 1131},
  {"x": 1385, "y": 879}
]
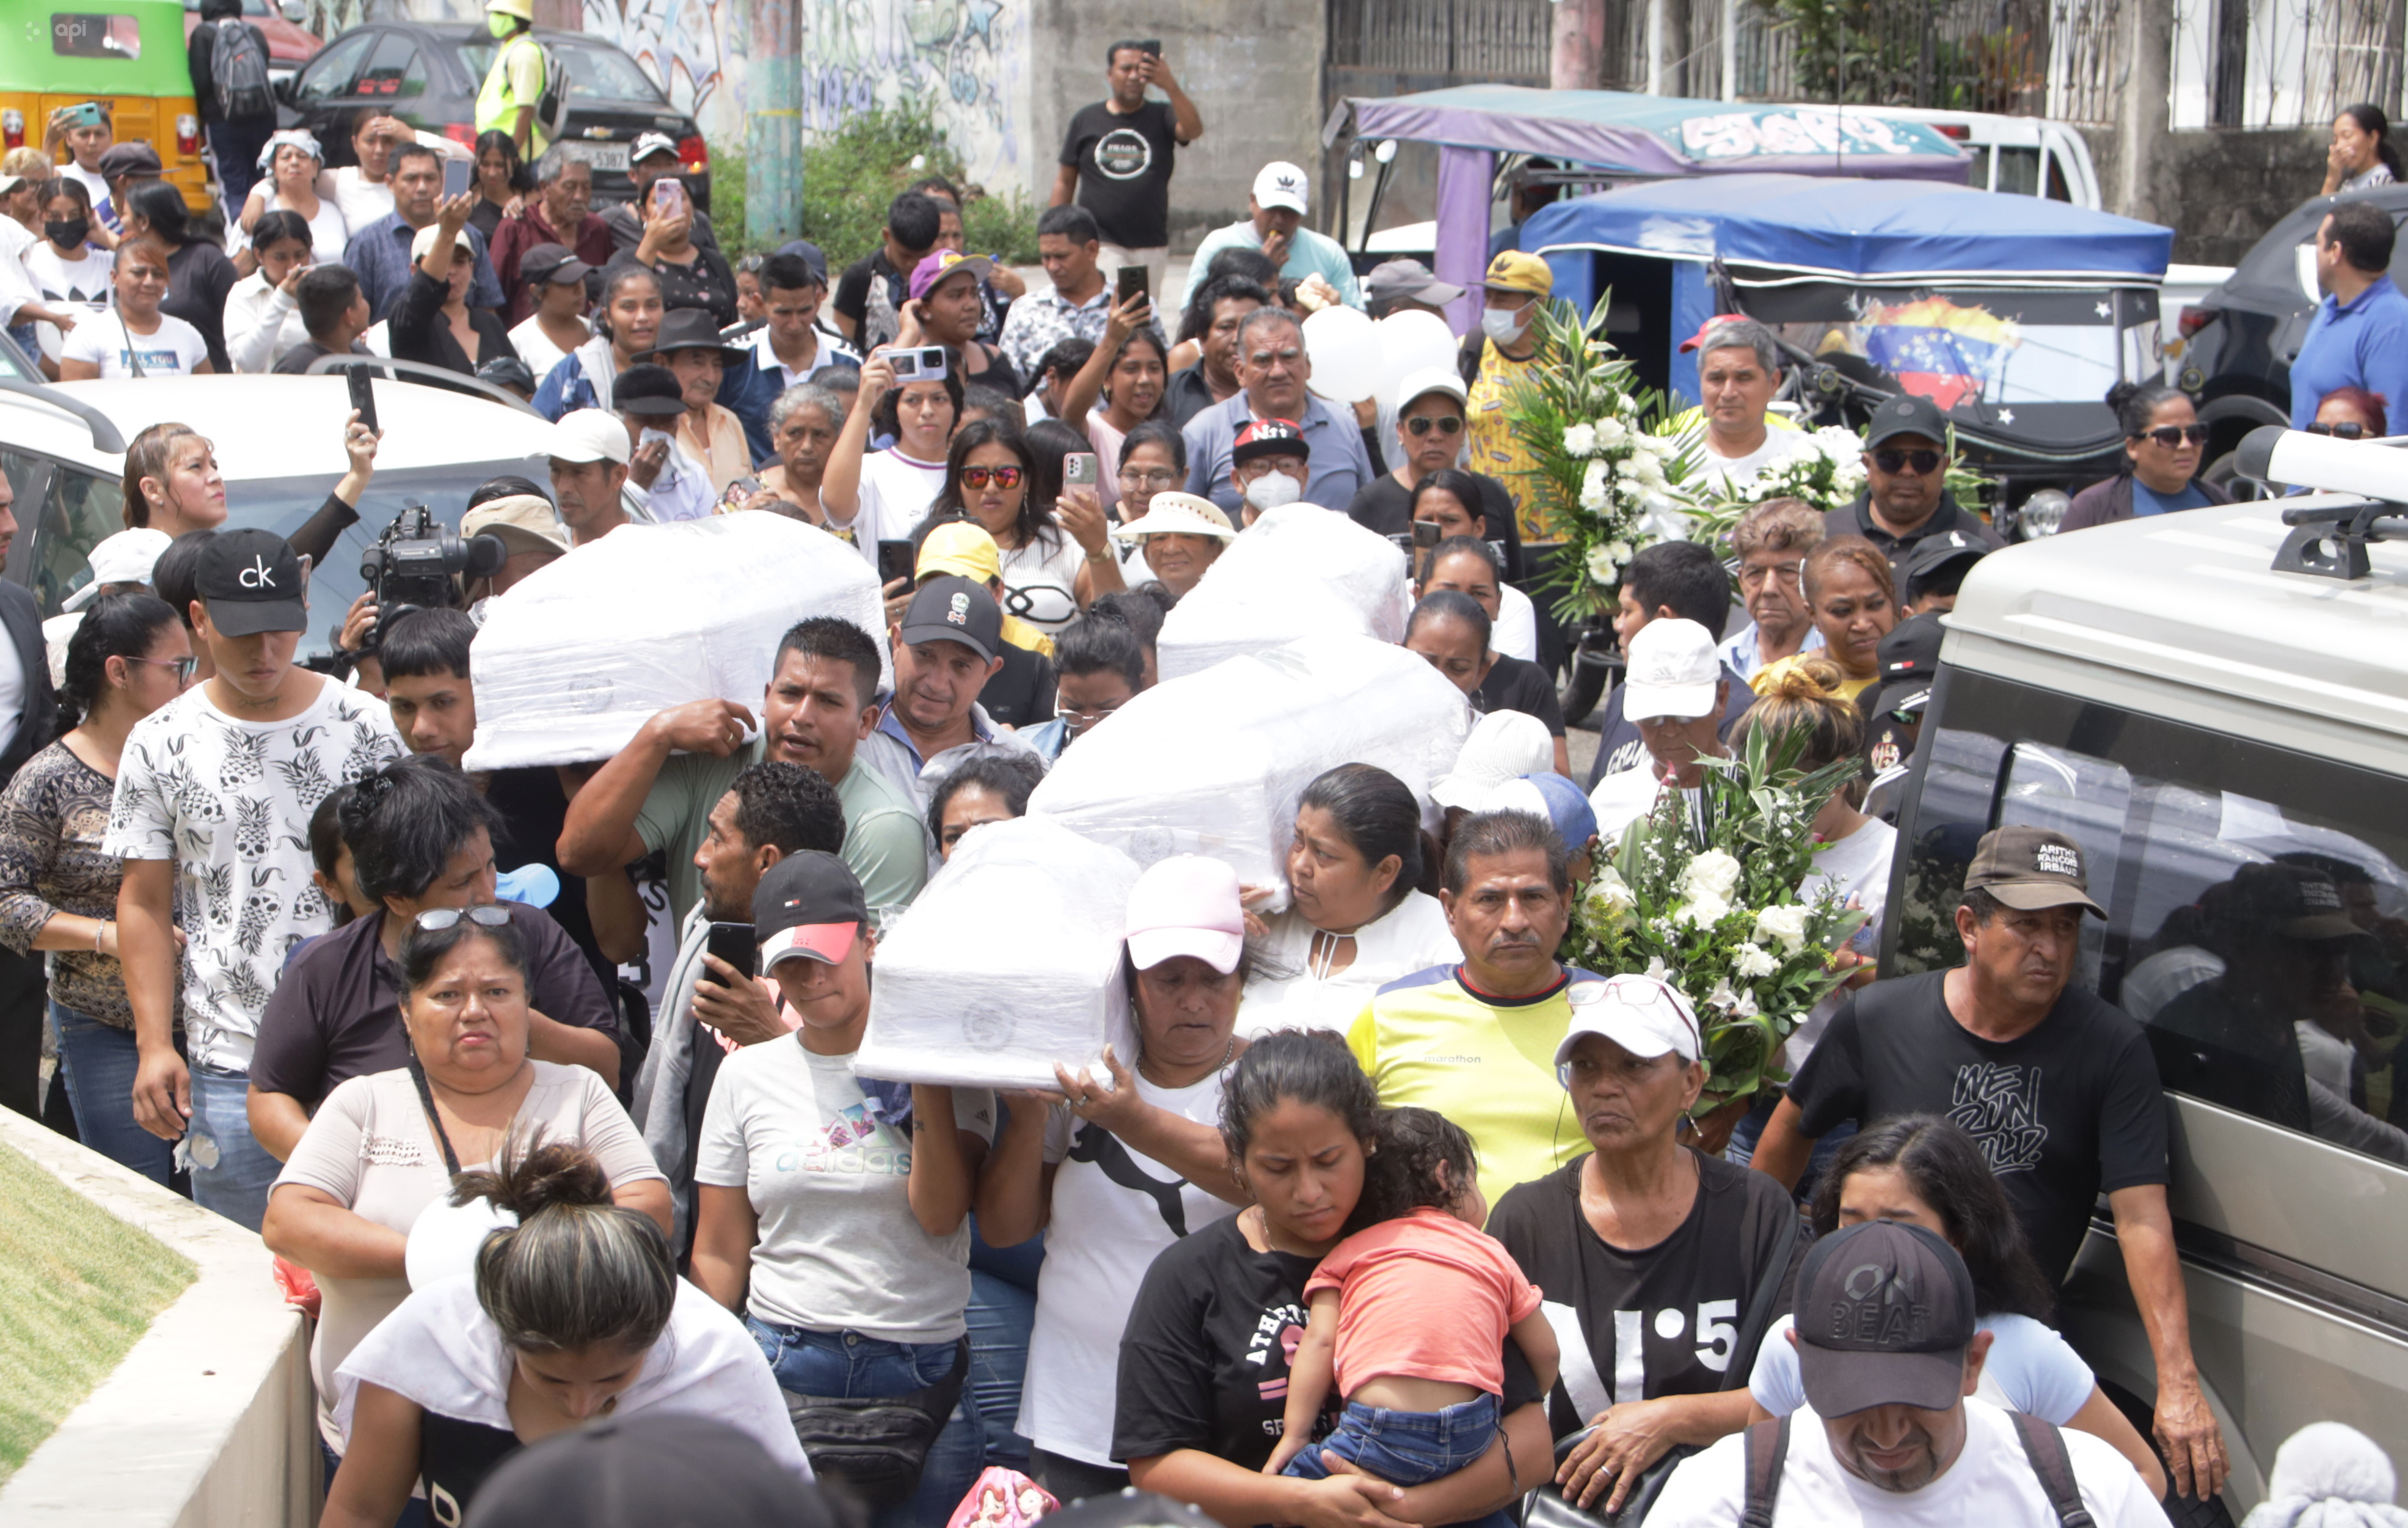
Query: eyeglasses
[
  {"x": 1923, "y": 462},
  {"x": 2347, "y": 430},
  {"x": 2171, "y": 435},
  {"x": 1752, "y": 576},
  {"x": 488, "y": 915},
  {"x": 1005, "y": 477},
  {"x": 1133, "y": 477},
  {"x": 1445, "y": 425},
  {"x": 185, "y": 668}
]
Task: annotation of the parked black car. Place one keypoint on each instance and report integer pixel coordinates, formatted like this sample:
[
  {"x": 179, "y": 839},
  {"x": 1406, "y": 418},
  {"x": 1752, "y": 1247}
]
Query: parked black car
[
  {"x": 2240, "y": 340},
  {"x": 427, "y": 74}
]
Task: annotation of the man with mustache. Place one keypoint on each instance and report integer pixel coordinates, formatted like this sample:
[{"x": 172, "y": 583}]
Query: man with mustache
[
  {"x": 1476, "y": 1041},
  {"x": 2058, "y": 1087}
]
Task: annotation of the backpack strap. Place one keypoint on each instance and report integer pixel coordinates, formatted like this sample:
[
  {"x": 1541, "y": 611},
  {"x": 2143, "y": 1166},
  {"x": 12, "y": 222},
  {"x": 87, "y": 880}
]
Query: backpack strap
[
  {"x": 2044, "y": 1446},
  {"x": 1764, "y": 1450}
]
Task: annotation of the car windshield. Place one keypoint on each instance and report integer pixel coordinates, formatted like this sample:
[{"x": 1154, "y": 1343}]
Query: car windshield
[
  {"x": 1957, "y": 346},
  {"x": 595, "y": 73}
]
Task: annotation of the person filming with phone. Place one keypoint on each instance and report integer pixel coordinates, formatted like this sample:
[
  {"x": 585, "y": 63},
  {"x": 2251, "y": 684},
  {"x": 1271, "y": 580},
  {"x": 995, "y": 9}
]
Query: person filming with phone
[
  {"x": 1116, "y": 158},
  {"x": 692, "y": 274},
  {"x": 381, "y": 253}
]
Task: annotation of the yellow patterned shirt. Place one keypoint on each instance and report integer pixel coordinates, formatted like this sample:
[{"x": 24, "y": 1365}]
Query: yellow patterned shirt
[{"x": 1493, "y": 448}]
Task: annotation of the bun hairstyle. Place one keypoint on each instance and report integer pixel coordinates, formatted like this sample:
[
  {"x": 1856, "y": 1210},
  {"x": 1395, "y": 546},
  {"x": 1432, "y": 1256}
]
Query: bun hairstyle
[
  {"x": 1805, "y": 701},
  {"x": 2136, "y": 404},
  {"x": 118, "y": 626},
  {"x": 1377, "y": 816},
  {"x": 577, "y": 1271}
]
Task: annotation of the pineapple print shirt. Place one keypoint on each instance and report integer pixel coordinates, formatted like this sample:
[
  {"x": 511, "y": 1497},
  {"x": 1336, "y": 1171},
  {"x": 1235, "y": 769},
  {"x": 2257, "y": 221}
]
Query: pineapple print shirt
[{"x": 229, "y": 802}]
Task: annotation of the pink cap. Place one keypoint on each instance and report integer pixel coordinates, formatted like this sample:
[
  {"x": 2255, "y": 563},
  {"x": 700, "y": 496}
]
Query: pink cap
[{"x": 1186, "y": 905}]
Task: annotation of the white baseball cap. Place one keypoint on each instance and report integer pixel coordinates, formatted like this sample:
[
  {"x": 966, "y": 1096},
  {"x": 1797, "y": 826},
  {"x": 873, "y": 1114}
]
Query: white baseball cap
[
  {"x": 1186, "y": 905},
  {"x": 422, "y": 243},
  {"x": 1279, "y": 183},
  {"x": 588, "y": 435},
  {"x": 1503, "y": 745},
  {"x": 1673, "y": 670},
  {"x": 125, "y": 557},
  {"x": 648, "y": 144},
  {"x": 1428, "y": 380},
  {"x": 1644, "y": 1016}
]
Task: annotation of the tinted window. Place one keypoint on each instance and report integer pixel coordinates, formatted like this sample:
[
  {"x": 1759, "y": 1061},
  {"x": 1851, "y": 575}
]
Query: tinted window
[
  {"x": 394, "y": 73},
  {"x": 2258, "y": 907},
  {"x": 329, "y": 75}
]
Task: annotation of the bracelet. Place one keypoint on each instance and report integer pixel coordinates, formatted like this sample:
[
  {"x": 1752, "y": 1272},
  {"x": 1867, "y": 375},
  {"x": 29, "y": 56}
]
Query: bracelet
[{"x": 99, "y": 929}]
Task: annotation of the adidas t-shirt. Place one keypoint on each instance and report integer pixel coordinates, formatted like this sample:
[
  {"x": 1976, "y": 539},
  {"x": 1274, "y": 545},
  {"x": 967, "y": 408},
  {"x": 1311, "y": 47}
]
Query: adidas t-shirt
[{"x": 175, "y": 349}]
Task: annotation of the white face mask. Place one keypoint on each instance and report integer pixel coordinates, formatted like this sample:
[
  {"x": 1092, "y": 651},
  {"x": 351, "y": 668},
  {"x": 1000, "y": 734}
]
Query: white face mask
[
  {"x": 1272, "y": 490},
  {"x": 1503, "y": 325}
]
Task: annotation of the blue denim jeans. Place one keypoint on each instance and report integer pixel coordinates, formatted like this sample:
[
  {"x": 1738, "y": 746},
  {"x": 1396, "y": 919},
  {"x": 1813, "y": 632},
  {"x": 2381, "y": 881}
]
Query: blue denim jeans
[
  {"x": 1405, "y": 1447},
  {"x": 231, "y": 1172},
  {"x": 1001, "y": 1315},
  {"x": 1750, "y": 1130},
  {"x": 98, "y": 1061},
  {"x": 848, "y": 1366}
]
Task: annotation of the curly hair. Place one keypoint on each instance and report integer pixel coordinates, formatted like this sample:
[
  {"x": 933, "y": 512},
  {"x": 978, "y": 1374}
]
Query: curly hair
[
  {"x": 790, "y": 806},
  {"x": 1404, "y": 1174}
]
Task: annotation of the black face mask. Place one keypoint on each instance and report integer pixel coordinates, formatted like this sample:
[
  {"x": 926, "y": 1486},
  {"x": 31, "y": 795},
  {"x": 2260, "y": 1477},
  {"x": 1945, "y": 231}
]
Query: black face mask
[{"x": 68, "y": 233}]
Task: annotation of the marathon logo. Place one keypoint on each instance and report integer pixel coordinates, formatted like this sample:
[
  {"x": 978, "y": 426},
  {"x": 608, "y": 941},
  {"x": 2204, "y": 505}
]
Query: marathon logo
[{"x": 2058, "y": 859}]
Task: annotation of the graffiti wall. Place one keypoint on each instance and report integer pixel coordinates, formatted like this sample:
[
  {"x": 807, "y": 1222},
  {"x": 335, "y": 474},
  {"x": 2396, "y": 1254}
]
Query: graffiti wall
[
  {"x": 686, "y": 46},
  {"x": 965, "y": 61}
]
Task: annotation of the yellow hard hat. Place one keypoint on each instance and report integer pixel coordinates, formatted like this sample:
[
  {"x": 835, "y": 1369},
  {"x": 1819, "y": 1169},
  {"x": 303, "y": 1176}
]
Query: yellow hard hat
[{"x": 523, "y": 9}]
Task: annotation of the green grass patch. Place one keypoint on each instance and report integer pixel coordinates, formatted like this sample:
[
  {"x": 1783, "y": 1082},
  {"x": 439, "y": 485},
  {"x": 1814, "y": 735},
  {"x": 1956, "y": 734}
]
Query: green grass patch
[{"x": 78, "y": 1288}]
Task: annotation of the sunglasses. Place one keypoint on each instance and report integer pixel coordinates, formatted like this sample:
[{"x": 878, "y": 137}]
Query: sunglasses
[
  {"x": 2171, "y": 435},
  {"x": 1923, "y": 462},
  {"x": 184, "y": 668},
  {"x": 1004, "y": 477},
  {"x": 2347, "y": 430},
  {"x": 1447, "y": 425},
  {"x": 489, "y": 916}
]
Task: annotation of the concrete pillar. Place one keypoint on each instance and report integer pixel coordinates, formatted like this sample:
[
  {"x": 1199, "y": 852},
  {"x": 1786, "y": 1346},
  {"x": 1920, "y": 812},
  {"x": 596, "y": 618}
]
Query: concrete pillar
[
  {"x": 1576, "y": 60},
  {"x": 2145, "y": 109},
  {"x": 773, "y": 125}
]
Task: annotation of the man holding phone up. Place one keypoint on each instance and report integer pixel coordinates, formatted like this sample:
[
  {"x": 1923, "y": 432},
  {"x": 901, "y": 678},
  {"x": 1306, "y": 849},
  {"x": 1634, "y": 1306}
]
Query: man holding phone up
[{"x": 1116, "y": 159}]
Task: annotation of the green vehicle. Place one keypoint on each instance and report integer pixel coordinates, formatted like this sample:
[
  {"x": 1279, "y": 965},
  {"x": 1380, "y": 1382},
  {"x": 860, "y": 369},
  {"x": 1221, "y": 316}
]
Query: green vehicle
[{"x": 128, "y": 55}]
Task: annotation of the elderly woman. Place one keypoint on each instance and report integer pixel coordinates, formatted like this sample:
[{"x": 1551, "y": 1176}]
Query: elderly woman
[
  {"x": 292, "y": 162},
  {"x": 1356, "y": 919},
  {"x": 803, "y": 426},
  {"x": 1115, "y": 1174},
  {"x": 1180, "y": 535},
  {"x": 386, "y": 1146},
  {"x": 1204, "y": 1359},
  {"x": 1646, "y": 1240},
  {"x": 2163, "y": 442},
  {"x": 1852, "y": 598}
]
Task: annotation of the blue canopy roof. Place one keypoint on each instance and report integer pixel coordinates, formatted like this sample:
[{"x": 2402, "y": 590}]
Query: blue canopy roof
[{"x": 1857, "y": 229}]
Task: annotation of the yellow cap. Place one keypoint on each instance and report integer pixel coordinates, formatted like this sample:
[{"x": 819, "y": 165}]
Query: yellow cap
[
  {"x": 959, "y": 547},
  {"x": 1514, "y": 271},
  {"x": 523, "y": 9}
]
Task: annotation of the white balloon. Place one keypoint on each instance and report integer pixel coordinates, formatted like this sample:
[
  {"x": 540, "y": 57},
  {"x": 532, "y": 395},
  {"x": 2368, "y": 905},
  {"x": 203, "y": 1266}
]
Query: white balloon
[
  {"x": 1410, "y": 341},
  {"x": 1345, "y": 354},
  {"x": 445, "y": 1238}
]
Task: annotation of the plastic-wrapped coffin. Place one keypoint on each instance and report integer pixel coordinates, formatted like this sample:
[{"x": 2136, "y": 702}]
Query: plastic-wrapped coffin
[
  {"x": 1299, "y": 570},
  {"x": 1006, "y": 963},
  {"x": 1214, "y": 763},
  {"x": 573, "y": 660}
]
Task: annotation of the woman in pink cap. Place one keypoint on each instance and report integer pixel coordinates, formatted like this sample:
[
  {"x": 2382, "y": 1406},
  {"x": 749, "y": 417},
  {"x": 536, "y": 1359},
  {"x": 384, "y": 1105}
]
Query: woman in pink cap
[{"x": 1116, "y": 1173}]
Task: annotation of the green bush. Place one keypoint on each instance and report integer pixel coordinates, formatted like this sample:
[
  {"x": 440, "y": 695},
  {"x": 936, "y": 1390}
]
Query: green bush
[
  {"x": 727, "y": 201},
  {"x": 849, "y": 177}
]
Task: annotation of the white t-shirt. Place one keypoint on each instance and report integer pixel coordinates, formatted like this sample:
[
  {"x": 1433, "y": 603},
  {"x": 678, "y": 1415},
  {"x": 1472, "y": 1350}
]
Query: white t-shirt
[
  {"x": 1729, "y": 474},
  {"x": 838, "y": 1248},
  {"x": 84, "y": 279},
  {"x": 2030, "y": 1369},
  {"x": 174, "y": 349},
  {"x": 1409, "y": 937},
  {"x": 370, "y": 1149},
  {"x": 230, "y": 801},
  {"x": 361, "y": 202},
  {"x": 1516, "y": 633},
  {"x": 1040, "y": 580},
  {"x": 330, "y": 232},
  {"x": 1622, "y": 796},
  {"x": 1855, "y": 866},
  {"x": 536, "y": 348},
  {"x": 896, "y": 492},
  {"x": 1102, "y": 1237},
  {"x": 1991, "y": 1483}
]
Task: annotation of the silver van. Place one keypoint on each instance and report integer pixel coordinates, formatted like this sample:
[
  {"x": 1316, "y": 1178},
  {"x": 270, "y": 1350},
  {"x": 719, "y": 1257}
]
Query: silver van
[{"x": 2157, "y": 691}]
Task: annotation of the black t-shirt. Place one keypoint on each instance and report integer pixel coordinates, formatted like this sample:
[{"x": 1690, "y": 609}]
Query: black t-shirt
[
  {"x": 1517, "y": 685},
  {"x": 708, "y": 283},
  {"x": 1124, "y": 164},
  {"x": 534, "y": 809},
  {"x": 1186, "y": 394},
  {"x": 1385, "y": 506},
  {"x": 1684, "y": 1298},
  {"x": 1021, "y": 693},
  {"x": 2063, "y": 1114},
  {"x": 1204, "y": 1359},
  {"x": 1620, "y": 747}
]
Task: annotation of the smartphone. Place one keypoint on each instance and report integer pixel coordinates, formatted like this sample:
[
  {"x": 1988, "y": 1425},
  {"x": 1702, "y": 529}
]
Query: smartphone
[
  {"x": 86, "y": 115},
  {"x": 922, "y": 363},
  {"x": 1080, "y": 469},
  {"x": 1151, "y": 47},
  {"x": 1129, "y": 281},
  {"x": 458, "y": 174},
  {"x": 1425, "y": 534},
  {"x": 894, "y": 562},
  {"x": 669, "y": 194},
  {"x": 356, "y": 378},
  {"x": 734, "y": 943}
]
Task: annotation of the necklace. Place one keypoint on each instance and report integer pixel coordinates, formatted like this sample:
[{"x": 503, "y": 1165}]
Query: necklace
[{"x": 1227, "y": 1052}]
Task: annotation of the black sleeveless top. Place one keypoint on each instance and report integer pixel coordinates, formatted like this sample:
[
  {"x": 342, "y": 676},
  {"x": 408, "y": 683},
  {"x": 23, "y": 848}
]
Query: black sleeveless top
[{"x": 454, "y": 1458}]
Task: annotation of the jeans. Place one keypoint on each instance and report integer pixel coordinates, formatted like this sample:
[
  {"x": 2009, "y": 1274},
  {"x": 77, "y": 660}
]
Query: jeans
[
  {"x": 847, "y": 1366},
  {"x": 234, "y": 148},
  {"x": 1750, "y": 1130},
  {"x": 1405, "y": 1447},
  {"x": 97, "y": 1061},
  {"x": 1001, "y": 1314},
  {"x": 231, "y": 1172}
]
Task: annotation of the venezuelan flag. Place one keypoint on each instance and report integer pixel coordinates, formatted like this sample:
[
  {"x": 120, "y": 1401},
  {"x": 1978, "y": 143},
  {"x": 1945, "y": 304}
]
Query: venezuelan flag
[{"x": 1937, "y": 349}]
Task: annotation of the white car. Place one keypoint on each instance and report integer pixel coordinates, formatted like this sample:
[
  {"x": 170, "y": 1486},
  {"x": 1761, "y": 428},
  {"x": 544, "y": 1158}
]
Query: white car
[{"x": 278, "y": 441}]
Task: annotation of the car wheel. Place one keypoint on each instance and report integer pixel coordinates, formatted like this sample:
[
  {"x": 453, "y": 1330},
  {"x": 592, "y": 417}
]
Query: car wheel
[
  {"x": 2225, "y": 474},
  {"x": 1584, "y": 685}
]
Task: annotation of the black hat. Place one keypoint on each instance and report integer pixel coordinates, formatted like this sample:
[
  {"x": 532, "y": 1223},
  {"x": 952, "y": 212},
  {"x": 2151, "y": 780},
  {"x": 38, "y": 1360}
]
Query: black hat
[
  {"x": 2293, "y": 901},
  {"x": 953, "y": 609},
  {"x": 1909, "y": 657},
  {"x": 1911, "y": 649},
  {"x": 2029, "y": 869},
  {"x": 809, "y": 254},
  {"x": 657, "y": 1470},
  {"x": 250, "y": 581},
  {"x": 690, "y": 328},
  {"x": 506, "y": 371},
  {"x": 1268, "y": 438},
  {"x": 651, "y": 391},
  {"x": 809, "y": 904},
  {"x": 129, "y": 159},
  {"x": 1884, "y": 1315},
  {"x": 1907, "y": 415},
  {"x": 552, "y": 263},
  {"x": 1927, "y": 558}
]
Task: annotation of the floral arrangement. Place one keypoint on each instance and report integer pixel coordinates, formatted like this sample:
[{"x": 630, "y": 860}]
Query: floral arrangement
[
  {"x": 1604, "y": 480},
  {"x": 1706, "y": 896}
]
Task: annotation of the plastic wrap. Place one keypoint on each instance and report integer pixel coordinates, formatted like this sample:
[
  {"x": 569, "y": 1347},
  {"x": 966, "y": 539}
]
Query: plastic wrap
[
  {"x": 1214, "y": 763},
  {"x": 576, "y": 657},
  {"x": 1008, "y": 962},
  {"x": 1297, "y": 571}
]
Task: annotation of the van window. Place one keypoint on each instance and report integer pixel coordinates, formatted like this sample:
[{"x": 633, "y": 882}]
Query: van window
[
  {"x": 2057, "y": 190},
  {"x": 2256, "y": 904}
]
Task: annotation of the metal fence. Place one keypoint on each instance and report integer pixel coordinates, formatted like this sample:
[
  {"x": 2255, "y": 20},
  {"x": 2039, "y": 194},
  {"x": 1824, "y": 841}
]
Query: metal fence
[{"x": 1472, "y": 39}]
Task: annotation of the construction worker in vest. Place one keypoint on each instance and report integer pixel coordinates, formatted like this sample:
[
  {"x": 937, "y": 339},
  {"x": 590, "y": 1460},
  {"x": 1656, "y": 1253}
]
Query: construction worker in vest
[{"x": 506, "y": 102}]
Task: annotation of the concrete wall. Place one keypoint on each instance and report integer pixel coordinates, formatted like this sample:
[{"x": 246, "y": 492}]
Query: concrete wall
[
  {"x": 2218, "y": 188},
  {"x": 209, "y": 1422}
]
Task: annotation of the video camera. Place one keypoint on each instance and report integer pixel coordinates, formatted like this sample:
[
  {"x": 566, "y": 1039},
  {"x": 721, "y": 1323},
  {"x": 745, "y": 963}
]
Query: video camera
[
  {"x": 412, "y": 566},
  {"x": 2359, "y": 494}
]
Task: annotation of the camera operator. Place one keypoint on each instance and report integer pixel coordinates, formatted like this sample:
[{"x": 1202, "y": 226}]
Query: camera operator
[
  {"x": 417, "y": 564},
  {"x": 515, "y": 512}
]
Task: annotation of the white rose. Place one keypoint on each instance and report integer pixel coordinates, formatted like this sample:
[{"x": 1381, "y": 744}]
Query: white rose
[
  {"x": 1609, "y": 433},
  {"x": 1650, "y": 470},
  {"x": 1603, "y": 564},
  {"x": 1711, "y": 873},
  {"x": 1701, "y": 910},
  {"x": 1609, "y": 895},
  {"x": 1629, "y": 469},
  {"x": 1580, "y": 441},
  {"x": 1594, "y": 487},
  {"x": 1784, "y": 925},
  {"x": 1754, "y": 963},
  {"x": 1620, "y": 552}
]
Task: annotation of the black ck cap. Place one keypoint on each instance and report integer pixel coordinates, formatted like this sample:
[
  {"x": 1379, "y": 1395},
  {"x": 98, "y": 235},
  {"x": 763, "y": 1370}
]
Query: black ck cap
[
  {"x": 1937, "y": 563},
  {"x": 953, "y": 609},
  {"x": 1907, "y": 415},
  {"x": 250, "y": 581},
  {"x": 1885, "y": 1314},
  {"x": 2028, "y": 869}
]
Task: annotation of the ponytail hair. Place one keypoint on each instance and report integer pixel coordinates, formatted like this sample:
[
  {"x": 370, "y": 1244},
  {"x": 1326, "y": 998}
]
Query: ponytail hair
[
  {"x": 577, "y": 1271},
  {"x": 2371, "y": 121},
  {"x": 147, "y": 457},
  {"x": 118, "y": 626}
]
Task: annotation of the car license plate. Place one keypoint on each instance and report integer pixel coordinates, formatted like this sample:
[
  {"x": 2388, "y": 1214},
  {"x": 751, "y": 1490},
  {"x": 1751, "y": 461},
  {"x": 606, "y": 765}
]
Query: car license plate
[{"x": 601, "y": 156}]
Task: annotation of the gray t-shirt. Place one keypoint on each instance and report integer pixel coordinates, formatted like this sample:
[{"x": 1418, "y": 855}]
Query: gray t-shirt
[{"x": 838, "y": 1248}]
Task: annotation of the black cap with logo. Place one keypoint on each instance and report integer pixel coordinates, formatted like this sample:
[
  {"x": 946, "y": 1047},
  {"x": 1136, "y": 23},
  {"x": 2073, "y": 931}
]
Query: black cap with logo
[
  {"x": 1269, "y": 438},
  {"x": 251, "y": 582},
  {"x": 2293, "y": 901},
  {"x": 2029, "y": 869},
  {"x": 1910, "y": 658},
  {"x": 1884, "y": 1315},
  {"x": 953, "y": 609},
  {"x": 1937, "y": 563},
  {"x": 809, "y": 904},
  {"x": 1907, "y": 415}
]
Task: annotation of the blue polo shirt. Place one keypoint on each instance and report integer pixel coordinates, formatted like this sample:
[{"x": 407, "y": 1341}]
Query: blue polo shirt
[
  {"x": 1337, "y": 466},
  {"x": 2363, "y": 343}
]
